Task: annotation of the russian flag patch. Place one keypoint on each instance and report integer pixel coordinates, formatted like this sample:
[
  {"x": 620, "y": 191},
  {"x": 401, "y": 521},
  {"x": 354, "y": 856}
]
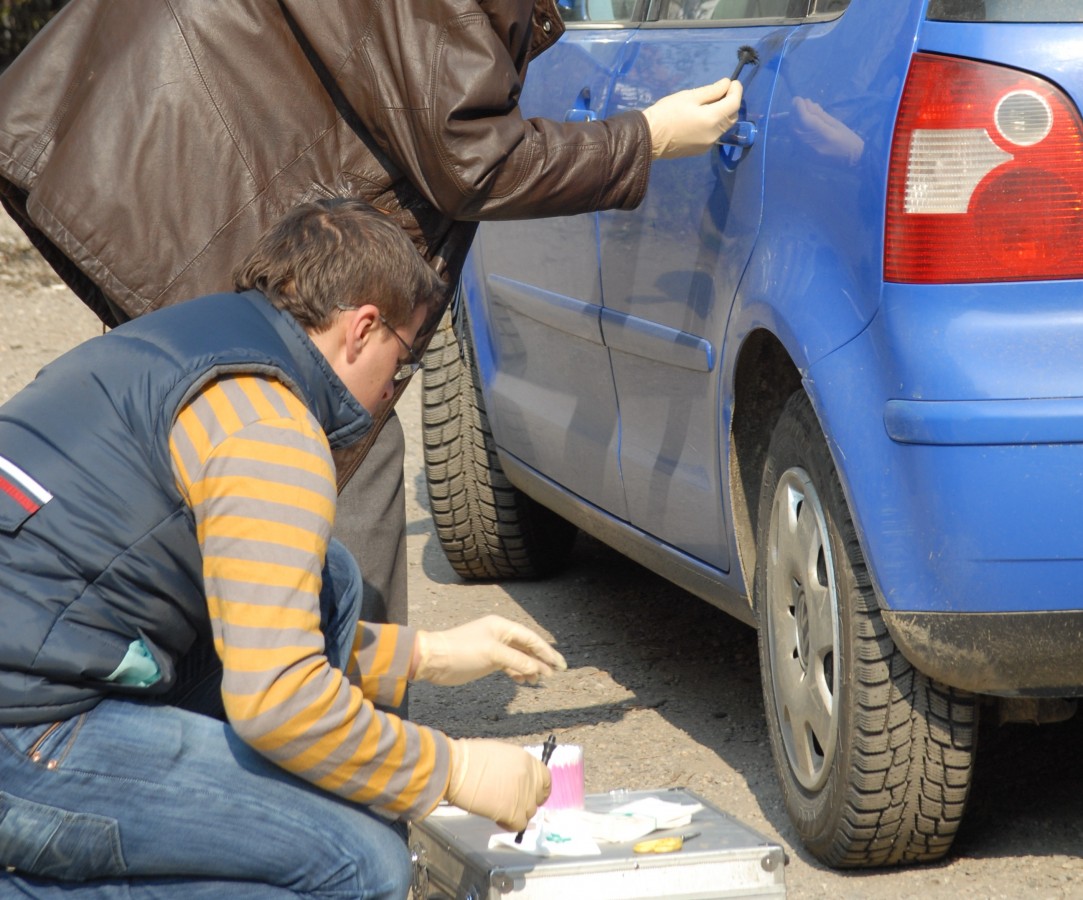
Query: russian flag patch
[{"x": 18, "y": 487}]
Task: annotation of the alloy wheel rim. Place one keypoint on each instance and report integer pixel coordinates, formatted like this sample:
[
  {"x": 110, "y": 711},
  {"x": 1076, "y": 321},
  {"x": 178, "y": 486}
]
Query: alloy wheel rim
[{"x": 803, "y": 628}]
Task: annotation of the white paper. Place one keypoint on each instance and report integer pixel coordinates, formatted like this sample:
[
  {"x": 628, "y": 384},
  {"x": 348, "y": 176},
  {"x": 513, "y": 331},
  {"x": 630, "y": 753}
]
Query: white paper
[
  {"x": 575, "y": 832},
  {"x": 665, "y": 814},
  {"x": 447, "y": 811}
]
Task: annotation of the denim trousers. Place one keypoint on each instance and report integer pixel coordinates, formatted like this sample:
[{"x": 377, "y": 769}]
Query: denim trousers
[{"x": 153, "y": 800}]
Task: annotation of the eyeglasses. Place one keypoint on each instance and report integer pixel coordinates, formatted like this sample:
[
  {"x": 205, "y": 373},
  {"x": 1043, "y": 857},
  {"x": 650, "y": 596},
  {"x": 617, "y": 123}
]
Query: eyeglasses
[{"x": 406, "y": 369}]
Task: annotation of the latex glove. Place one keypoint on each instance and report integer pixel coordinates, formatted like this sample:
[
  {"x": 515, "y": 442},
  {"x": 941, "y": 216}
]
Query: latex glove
[
  {"x": 690, "y": 122},
  {"x": 496, "y": 780},
  {"x": 478, "y": 648}
]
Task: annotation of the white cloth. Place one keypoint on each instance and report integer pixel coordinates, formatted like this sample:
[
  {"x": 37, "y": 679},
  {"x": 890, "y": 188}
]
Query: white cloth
[{"x": 576, "y": 832}]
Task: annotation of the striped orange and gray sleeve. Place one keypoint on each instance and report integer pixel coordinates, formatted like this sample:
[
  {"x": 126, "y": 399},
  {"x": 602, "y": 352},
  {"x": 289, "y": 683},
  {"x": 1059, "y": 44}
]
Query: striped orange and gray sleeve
[{"x": 256, "y": 469}]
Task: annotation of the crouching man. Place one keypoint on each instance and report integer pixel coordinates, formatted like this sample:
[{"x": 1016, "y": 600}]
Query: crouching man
[{"x": 186, "y": 691}]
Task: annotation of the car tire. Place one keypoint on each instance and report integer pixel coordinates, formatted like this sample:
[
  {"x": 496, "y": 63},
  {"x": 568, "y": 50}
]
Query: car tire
[
  {"x": 874, "y": 758},
  {"x": 486, "y": 526}
]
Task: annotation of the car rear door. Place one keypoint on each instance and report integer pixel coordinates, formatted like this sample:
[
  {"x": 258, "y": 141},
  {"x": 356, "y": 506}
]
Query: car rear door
[
  {"x": 551, "y": 391},
  {"x": 670, "y": 269}
]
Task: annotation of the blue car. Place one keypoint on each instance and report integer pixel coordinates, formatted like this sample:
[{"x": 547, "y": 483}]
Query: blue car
[{"x": 828, "y": 377}]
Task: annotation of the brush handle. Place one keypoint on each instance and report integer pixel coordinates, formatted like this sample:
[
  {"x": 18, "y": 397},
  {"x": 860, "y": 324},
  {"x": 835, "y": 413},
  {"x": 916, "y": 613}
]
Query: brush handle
[
  {"x": 737, "y": 72},
  {"x": 547, "y": 751}
]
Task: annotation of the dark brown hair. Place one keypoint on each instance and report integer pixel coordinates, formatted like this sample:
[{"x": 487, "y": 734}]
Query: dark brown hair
[{"x": 340, "y": 252}]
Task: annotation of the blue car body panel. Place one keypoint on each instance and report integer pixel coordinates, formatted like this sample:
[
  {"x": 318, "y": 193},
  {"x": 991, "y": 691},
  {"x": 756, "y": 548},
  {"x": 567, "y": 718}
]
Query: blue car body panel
[
  {"x": 670, "y": 271},
  {"x": 542, "y": 306},
  {"x": 957, "y": 415},
  {"x": 608, "y": 344}
]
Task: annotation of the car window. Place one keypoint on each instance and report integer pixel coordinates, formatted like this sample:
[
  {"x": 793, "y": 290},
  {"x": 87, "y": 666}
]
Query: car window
[
  {"x": 727, "y": 10},
  {"x": 828, "y": 7},
  {"x": 1006, "y": 10},
  {"x": 600, "y": 11},
  {"x": 734, "y": 10}
]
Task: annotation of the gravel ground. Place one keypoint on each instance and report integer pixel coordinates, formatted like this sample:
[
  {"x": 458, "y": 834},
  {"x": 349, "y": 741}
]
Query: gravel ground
[{"x": 662, "y": 689}]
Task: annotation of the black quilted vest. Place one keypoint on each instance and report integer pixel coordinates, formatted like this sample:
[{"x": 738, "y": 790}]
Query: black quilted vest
[{"x": 97, "y": 547}]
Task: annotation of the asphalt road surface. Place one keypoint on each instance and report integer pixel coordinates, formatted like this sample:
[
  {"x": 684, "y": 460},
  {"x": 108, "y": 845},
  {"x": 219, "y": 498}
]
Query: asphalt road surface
[{"x": 662, "y": 689}]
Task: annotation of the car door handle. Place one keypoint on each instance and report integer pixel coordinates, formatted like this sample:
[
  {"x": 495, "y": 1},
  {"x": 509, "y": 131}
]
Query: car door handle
[
  {"x": 742, "y": 134},
  {"x": 580, "y": 115}
]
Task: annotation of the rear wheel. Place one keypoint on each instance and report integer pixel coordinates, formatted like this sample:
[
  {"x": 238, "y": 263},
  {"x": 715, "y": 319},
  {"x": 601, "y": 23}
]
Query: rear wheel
[
  {"x": 874, "y": 758},
  {"x": 486, "y": 526}
]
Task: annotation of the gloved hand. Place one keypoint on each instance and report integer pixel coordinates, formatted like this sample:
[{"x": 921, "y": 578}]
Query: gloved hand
[
  {"x": 690, "y": 122},
  {"x": 481, "y": 647},
  {"x": 496, "y": 780}
]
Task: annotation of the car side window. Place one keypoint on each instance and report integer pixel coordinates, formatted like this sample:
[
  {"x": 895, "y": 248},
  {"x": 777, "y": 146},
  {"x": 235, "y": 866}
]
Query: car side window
[
  {"x": 600, "y": 11},
  {"x": 725, "y": 10},
  {"x": 1006, "y": 11},
  {"x": 828, "y": 7}
]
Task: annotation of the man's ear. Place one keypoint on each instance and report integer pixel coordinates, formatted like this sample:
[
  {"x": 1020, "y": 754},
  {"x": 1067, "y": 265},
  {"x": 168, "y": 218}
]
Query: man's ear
[{"x": 358, "y": 327}]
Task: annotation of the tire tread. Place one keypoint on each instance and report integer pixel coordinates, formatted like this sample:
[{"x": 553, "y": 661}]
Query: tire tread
[{"x": 487, "y": 528}]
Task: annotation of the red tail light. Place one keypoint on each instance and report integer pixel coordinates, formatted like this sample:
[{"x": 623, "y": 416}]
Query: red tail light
[{"x": 986, "y": 177}]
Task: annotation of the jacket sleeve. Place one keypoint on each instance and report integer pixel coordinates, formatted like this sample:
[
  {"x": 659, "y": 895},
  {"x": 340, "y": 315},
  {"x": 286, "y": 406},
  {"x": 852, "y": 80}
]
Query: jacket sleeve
[{"x": 436, "y": 84}]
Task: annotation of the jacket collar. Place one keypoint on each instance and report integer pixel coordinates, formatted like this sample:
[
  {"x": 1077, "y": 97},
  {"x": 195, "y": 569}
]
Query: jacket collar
[
  {"x": 548, "y": 26},
  {"x": 343, "y": 419}
]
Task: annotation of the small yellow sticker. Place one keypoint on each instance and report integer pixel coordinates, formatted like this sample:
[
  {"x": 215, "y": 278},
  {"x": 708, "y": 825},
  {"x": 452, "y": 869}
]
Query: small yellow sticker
[{"x": 659, "y": 845}]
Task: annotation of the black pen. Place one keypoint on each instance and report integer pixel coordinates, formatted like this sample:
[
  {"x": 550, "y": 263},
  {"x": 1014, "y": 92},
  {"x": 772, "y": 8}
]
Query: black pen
[{"x": 547, "y": 751}]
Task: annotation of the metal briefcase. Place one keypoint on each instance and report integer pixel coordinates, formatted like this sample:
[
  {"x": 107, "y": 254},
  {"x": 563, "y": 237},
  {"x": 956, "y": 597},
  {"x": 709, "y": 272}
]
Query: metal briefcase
[{"x": 727, "y": 859}]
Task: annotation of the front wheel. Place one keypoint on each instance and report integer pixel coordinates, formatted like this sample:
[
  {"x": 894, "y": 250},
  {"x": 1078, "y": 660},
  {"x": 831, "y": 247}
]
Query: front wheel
[{"x": 874, "y": 758}]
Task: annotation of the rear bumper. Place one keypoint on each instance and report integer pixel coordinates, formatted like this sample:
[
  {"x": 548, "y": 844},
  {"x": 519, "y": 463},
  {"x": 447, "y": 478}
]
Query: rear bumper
[{"x": 1032, "y": 654}]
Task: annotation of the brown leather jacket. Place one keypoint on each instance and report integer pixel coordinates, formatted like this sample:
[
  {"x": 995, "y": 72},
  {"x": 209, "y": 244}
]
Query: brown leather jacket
[
  {"x": 145, "y": 144},
  {"x": 150, "y": 142}
]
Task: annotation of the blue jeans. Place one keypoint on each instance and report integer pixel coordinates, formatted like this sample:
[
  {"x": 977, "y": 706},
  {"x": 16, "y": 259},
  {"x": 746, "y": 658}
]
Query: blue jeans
[{"x": 143, "y": 800}]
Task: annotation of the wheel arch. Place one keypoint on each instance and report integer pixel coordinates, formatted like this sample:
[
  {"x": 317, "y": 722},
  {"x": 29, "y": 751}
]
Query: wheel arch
[{"x": 763, "y": 379}]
